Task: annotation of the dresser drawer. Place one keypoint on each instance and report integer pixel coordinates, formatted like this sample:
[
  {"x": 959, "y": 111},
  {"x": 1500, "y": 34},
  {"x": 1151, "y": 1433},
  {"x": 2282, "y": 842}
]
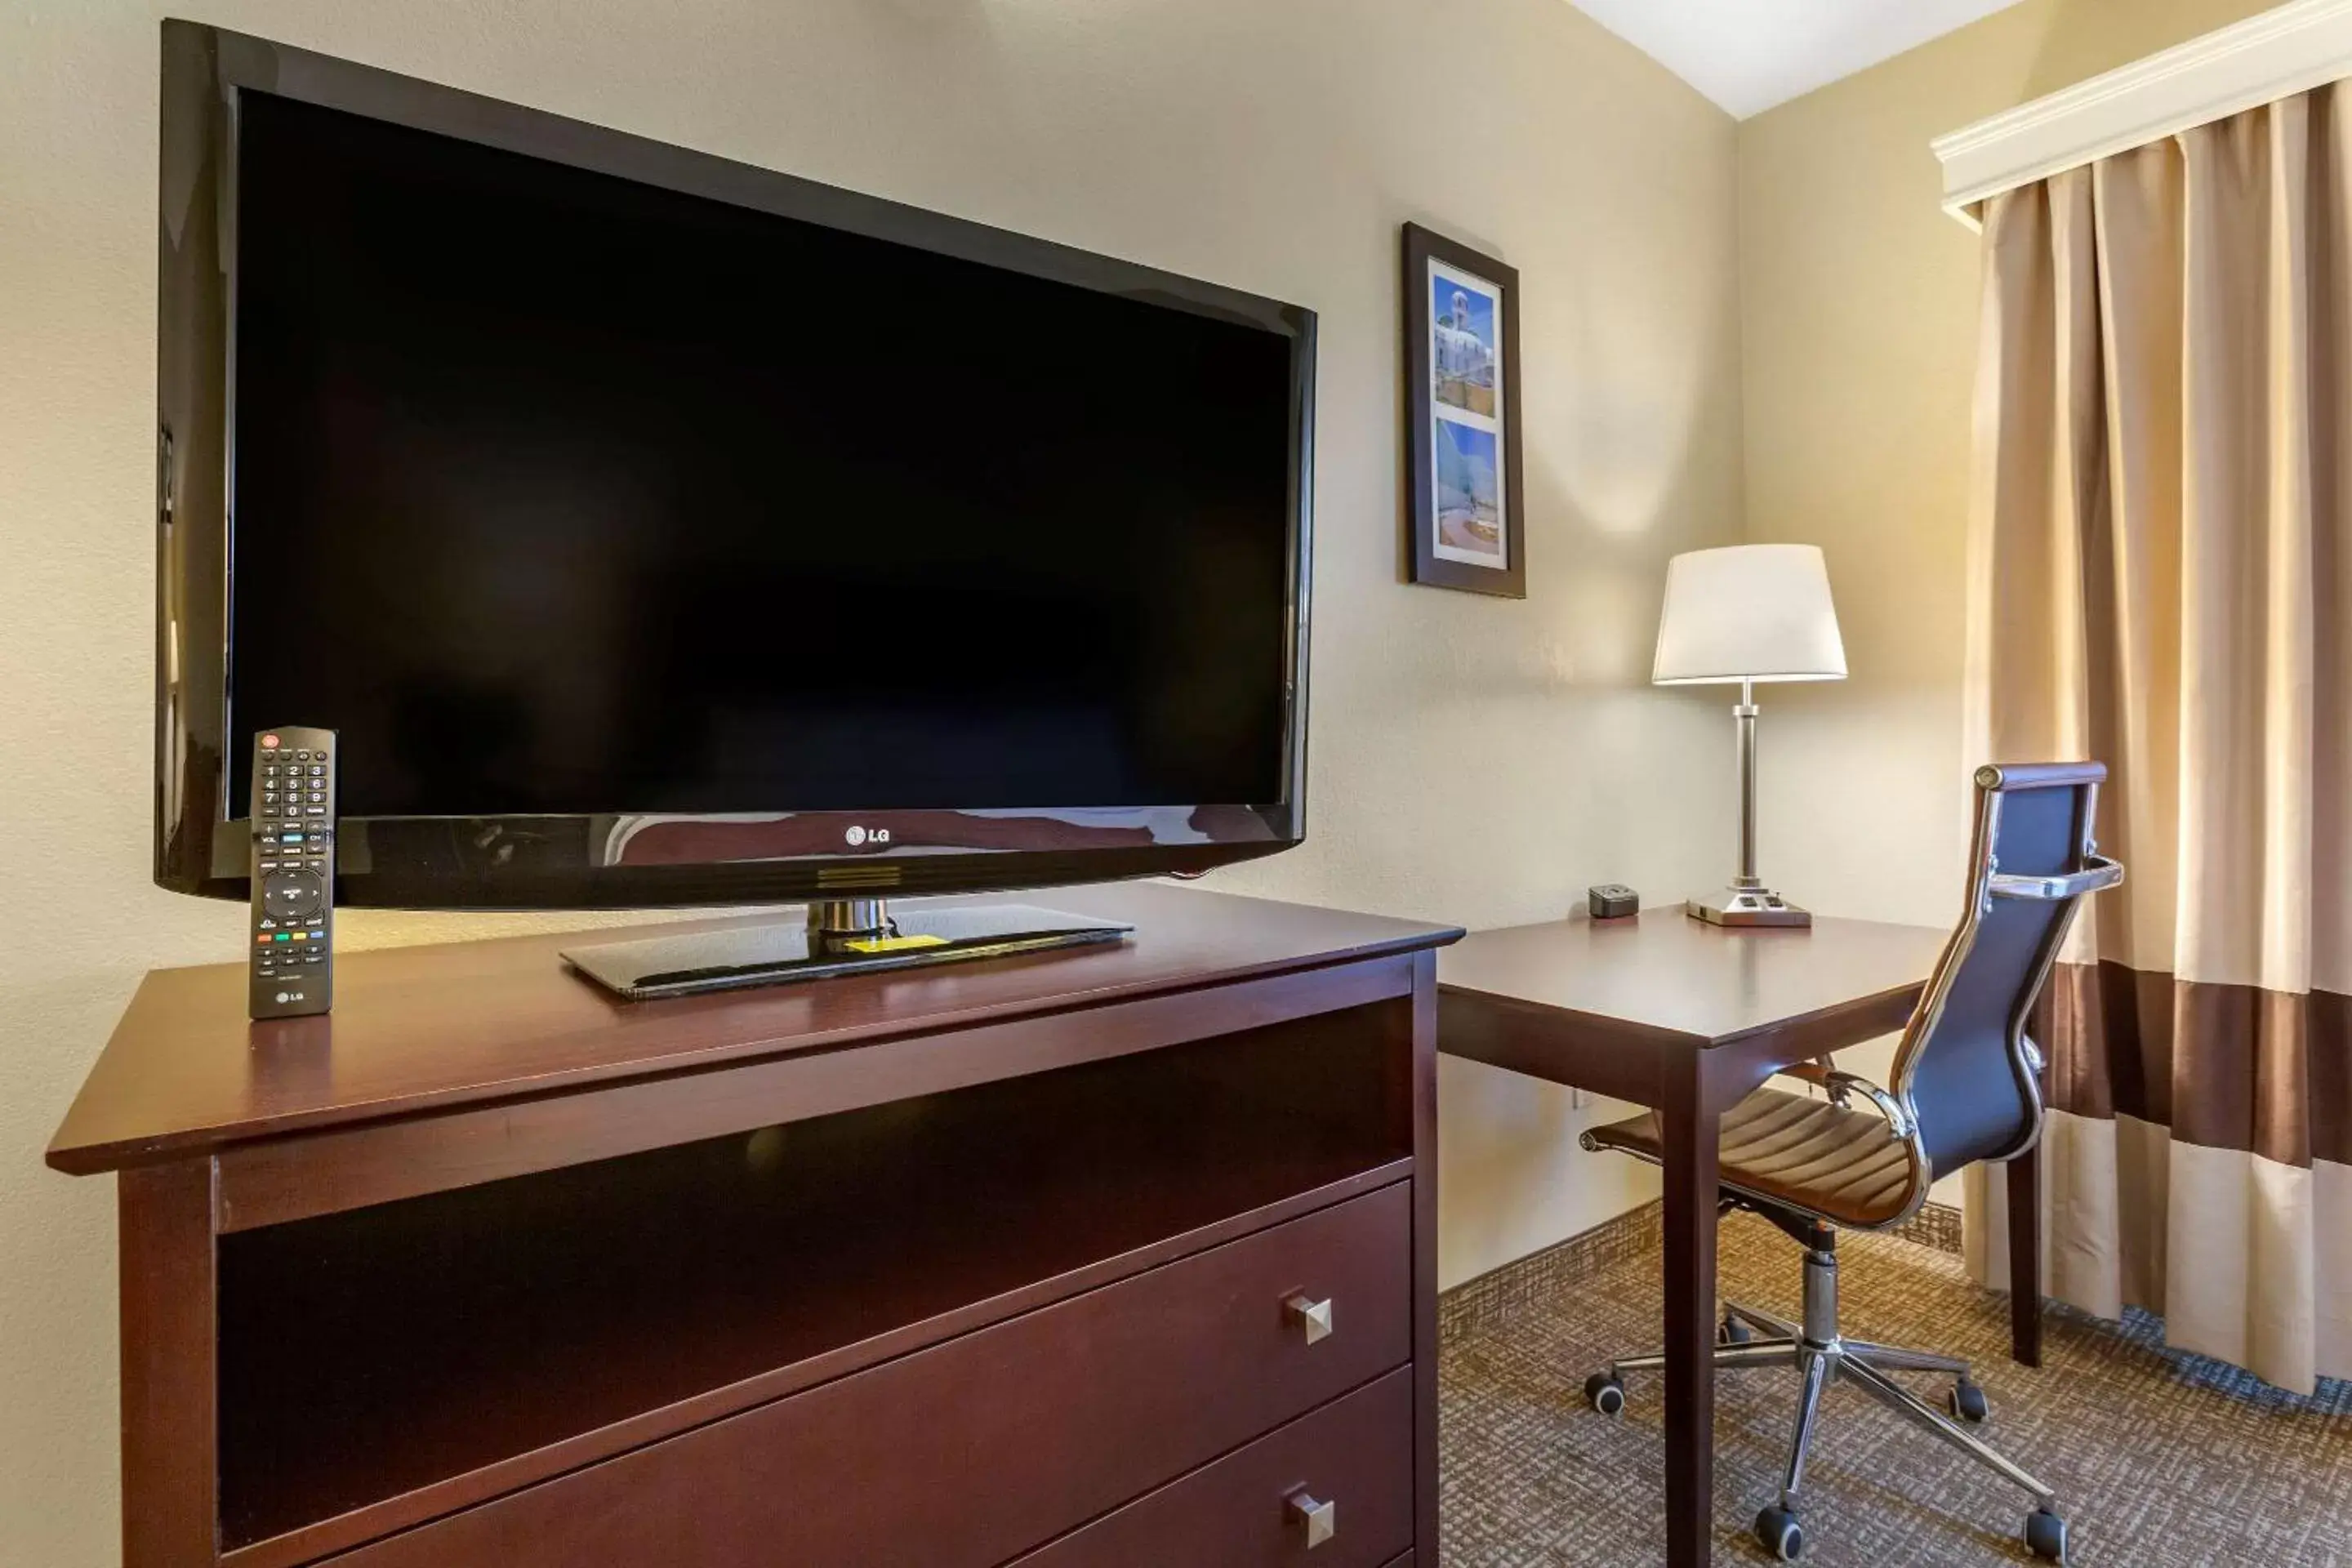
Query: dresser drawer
[
  {"x": 966, "y": 1454},
  {"x": 1355, "y": 1455}
]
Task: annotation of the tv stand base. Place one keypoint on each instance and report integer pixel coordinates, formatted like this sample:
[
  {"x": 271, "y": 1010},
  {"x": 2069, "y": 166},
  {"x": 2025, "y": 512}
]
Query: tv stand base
[{"x": 840, "y": 936}]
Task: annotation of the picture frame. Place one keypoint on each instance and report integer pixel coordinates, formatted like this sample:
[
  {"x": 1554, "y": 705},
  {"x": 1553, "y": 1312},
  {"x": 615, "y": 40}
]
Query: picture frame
[{"x": 1465, "y": 507}]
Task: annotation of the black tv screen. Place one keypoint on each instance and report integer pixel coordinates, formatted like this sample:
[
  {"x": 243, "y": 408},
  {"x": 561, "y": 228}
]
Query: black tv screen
[{"x": 590, "y": 501}]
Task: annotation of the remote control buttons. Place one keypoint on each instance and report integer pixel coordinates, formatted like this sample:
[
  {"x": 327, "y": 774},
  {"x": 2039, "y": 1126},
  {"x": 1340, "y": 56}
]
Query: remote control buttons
[
  {"x": 292, "y": 840},
  {"x": 293, "y": 893}
]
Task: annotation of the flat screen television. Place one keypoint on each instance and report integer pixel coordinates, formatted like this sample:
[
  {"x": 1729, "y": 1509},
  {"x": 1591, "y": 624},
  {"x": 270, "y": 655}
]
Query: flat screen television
[{"x": 656, "y": 530}]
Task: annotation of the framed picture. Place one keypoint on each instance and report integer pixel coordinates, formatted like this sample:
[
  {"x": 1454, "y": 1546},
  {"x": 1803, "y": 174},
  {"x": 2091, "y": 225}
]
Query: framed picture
[{"x": 1462, "y": 406}]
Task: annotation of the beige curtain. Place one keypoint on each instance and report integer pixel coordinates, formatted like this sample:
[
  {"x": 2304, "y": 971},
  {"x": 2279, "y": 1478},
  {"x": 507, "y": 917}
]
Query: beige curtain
[{"x": 2161, "y": 578}]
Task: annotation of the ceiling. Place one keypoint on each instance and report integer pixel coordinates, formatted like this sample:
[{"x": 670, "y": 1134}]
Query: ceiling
[{"x": 1749, "y": 54}]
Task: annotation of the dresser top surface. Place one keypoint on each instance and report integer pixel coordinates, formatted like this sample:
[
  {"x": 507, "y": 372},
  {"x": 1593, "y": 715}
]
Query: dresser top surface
[{"x": 429, "y": 1027}]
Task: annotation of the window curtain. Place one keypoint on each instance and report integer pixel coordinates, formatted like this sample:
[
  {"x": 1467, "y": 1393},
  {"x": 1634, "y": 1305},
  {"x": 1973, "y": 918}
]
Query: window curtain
[{"x": 2160, "y": 560}]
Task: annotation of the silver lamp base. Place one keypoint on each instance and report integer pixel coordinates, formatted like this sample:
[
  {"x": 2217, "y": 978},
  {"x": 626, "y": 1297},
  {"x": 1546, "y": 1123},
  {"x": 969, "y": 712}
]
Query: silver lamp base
[
  {"x": 1748, "y": 902},
  {"x": 1742, "y": 906}
]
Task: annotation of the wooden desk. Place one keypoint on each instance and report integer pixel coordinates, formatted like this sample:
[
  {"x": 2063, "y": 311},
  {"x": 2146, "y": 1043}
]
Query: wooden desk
[{"x": 1687, "y": 1018}]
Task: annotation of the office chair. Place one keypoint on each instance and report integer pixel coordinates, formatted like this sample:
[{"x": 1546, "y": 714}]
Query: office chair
[{"x": 1967, "y": 1087}]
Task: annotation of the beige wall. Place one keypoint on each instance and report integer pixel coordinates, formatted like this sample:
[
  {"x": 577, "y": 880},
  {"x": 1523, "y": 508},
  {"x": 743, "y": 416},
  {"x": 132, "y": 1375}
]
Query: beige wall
[
  {"x": 1473, "y": 760},
  {"x": 1859, "y": 311}
]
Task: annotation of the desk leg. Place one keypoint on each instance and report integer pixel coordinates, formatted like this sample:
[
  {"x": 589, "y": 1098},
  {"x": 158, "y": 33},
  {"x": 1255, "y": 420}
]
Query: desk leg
[
  {"x": 1691, "y": 1127},
  {"x": 2022, "y": 1176}
]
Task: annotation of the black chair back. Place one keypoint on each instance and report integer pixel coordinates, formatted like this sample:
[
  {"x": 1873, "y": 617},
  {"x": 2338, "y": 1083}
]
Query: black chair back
[{"x": 1965, "y": 1072}]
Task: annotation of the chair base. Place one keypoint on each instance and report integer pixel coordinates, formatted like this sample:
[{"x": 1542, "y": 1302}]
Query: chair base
[{"x": 1822, "y": 1356}]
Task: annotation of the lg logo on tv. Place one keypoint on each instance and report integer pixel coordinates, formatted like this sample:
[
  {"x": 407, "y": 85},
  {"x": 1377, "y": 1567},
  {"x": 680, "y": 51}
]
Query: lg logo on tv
[{"x": 858, "y": 836}]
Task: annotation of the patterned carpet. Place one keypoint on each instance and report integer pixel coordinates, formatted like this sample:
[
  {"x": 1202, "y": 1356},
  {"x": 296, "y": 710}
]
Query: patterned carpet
[{"x": 2161, "y": 1460}]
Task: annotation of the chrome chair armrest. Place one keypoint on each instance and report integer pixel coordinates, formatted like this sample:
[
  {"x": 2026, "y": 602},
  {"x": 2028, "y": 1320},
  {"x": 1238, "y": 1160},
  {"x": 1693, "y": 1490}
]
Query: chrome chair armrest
[
  {"x": 1899, "y": 1120},
  {"x": 2099, "y": 874}
]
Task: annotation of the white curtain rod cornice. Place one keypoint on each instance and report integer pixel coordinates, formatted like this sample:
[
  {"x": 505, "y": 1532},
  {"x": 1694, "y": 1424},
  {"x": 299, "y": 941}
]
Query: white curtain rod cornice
[{"x": 2289, "y": 49}]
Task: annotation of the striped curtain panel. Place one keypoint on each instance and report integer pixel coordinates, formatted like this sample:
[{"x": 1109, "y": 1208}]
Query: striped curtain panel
[{"x": 2161, "y": 578}]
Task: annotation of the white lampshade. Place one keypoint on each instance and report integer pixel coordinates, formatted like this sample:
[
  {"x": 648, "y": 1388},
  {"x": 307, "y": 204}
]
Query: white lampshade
[{"x": 1749, "y": 612}]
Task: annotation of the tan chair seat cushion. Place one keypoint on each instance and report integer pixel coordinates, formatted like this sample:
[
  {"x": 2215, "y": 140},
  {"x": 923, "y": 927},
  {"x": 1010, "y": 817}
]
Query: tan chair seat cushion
[{"x": 1804, "y": 1153}]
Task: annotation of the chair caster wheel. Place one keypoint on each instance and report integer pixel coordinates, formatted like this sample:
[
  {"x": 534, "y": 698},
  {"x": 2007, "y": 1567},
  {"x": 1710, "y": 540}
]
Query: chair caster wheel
[
  {"x": 2045, "y": 1535},
  {"x": 1732, "y": 1332},
  {"x": 1605, "y": 1392},
  {"x": 1782, "y": 1536},
  {"x": 1967, "y": 1403}
]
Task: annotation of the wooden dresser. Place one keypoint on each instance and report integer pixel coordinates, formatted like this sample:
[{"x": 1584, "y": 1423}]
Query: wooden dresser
[{"x": 1118, "y": 1257}]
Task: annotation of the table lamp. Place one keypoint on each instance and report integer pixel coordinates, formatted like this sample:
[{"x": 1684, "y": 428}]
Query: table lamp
[{"x": 1735, "y": 616}]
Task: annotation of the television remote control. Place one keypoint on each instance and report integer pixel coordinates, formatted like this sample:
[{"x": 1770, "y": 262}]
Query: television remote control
[{"x": 292, "y": 954}]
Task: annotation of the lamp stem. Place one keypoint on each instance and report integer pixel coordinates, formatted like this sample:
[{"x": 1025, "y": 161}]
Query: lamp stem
[
  {"x": 1748, "y": 901},
  {"x": 1744, "y": 716}
]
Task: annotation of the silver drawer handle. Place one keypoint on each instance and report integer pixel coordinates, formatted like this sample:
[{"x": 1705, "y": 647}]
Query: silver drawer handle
[
  {"x": 1313, "y": 1318},
  {"x": 1319, "y": 1520}
]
